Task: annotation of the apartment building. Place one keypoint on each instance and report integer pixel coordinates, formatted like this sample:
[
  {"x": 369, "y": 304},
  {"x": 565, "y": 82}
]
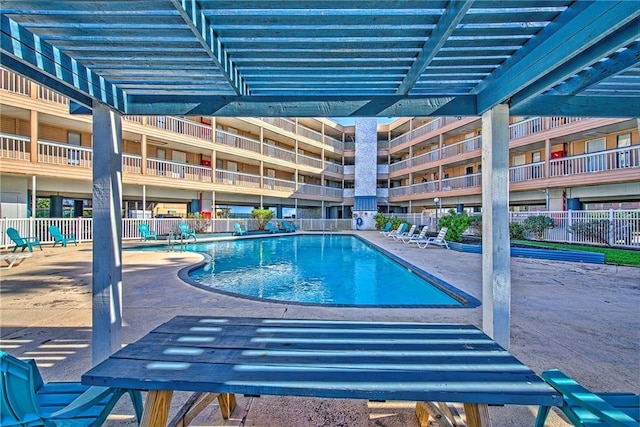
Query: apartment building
[{"x": 303, "y": 167}]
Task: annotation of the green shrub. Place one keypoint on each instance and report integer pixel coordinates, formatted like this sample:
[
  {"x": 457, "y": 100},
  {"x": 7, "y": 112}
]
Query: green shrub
[
  {"x": 516, "y": 231},
  {"x": 538, "y": 225},
  {"x": 456, "y": 224},
  {"x": 263, "y": 216},
  {"x": 476, "y": 225}
]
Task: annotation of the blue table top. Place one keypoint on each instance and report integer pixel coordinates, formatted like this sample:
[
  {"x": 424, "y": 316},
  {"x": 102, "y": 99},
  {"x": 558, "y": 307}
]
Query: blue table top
[{"x": 324, "y": 358}]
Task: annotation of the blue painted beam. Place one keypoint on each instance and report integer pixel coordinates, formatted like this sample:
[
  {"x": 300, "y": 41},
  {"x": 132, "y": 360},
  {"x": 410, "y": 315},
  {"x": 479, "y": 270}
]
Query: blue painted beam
[
  {"x": 579, "y": 106},
  {"x": 579, "y": 27},
  {"x": 302, "y": 106},
  {"x": 195, "y": 18},
  {"x": 617, "y": 63},
  {"x": 612, "y": 43},
  {"x": 38, "y": 60},
  {"x": 448, "y": 22}
]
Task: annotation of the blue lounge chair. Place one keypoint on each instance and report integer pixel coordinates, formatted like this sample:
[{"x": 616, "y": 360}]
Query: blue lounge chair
[
  {"x": 27, "y": 401},
  {"x": 146, "y": 234},
  {"x": 239, "y": 231},
  {"x": 186, "y": 232},
  {"x": 586, "y": 409},
  {"x": 22, "y": 242},
  {"x": 386, "y": 228},
  {"x": 63, "y": 239},
  {"x": 272, "y": 228}
]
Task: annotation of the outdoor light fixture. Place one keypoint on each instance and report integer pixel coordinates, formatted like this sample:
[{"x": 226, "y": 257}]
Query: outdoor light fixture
[{"x": 438, "y": 203}]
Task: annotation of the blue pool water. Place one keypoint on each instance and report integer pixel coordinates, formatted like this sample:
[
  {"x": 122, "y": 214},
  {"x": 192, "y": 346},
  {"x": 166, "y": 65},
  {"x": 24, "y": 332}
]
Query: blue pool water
[{"x": 315, "y": 269}]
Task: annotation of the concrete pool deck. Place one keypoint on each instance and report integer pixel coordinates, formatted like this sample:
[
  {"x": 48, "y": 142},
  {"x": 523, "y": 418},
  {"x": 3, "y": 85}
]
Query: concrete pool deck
[{"x": 581, "y": 318}]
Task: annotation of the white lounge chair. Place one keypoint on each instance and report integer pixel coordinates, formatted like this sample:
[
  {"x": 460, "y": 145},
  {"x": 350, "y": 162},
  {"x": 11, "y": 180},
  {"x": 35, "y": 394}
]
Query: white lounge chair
[
  {"x": 438, "y": 240},
  {"x": 398, "y": 230},
  {"x": 409, "y": 233},
  {"x": 13, "y": 259},
  {"x": 414, "y": 238}
]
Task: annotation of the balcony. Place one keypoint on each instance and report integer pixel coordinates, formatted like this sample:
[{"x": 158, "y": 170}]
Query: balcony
[{"x": 609, "y": 160}]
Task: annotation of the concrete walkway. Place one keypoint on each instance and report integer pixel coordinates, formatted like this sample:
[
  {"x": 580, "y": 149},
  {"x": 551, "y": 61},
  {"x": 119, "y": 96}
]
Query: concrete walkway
[{"x": 581, "y": 318}]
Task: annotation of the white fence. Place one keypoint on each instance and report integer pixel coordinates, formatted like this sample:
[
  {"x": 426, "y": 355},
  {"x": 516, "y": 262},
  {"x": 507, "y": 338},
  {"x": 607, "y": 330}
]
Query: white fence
[
  {"x": 616, "y": 228},
  {"x": 82, "y": 228}
]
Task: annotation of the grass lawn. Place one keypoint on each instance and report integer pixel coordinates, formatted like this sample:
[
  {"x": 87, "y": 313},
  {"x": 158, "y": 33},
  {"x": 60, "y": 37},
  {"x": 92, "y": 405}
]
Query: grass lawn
[{"x": 611, "y": 255}]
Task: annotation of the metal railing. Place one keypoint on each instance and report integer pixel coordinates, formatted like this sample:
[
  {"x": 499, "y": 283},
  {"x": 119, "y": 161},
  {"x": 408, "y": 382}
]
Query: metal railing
[
  {"x": 82, "y": 228},
  {"x": 235, "y": 140},
  {"x": 604, "y": 227}
]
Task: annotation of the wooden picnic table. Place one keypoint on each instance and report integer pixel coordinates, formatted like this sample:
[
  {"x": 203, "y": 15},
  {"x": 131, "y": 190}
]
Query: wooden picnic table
[{"x": 401, "y": 361}]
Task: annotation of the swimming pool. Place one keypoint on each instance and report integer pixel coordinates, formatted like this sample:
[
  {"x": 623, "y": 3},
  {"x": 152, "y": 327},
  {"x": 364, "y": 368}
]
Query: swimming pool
[{"x": 319, "y": 269}]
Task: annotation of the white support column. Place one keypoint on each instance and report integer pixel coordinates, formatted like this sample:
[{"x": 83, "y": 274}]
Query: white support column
[
  {"x": 107, "y": 233},
  {"x": 496, "y": 253},
  {"x": 144, "y": 201},
  {"x": 34, "y": 198}
]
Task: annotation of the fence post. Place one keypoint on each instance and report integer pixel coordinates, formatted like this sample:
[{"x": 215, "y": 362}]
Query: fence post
[
  {"x": 569, "y": 224},
  {"x": 611, "y": 238},
  {"x": 77, "y": 229}
]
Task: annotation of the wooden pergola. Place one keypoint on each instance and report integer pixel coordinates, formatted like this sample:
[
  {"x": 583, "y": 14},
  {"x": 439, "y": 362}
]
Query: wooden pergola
[{"x": 336, "y": 58}]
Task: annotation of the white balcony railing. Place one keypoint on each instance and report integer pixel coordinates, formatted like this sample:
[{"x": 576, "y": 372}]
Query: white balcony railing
[
  {"x": 237, "y": 178},
  {"x": 14, "y": 147},
  {"x": 279, "y": 153},
  {"x": 424, "y": 158},
  {"x": 279, "y": 184},
  {"x": 309, "y": 161},
  {"x": 620, "y": 158},
  {"x": 181, "y": 126},
  {"x": 464, "y": 181},
  {"x": 12, "y": 82},
  {"x": 526, "y": 172},
  {"x": 132, "y": 164},
  {"x": 64, "y": 154},
  {"x": 158, "y": 167},
  {"x": 234, "y": 140},
  {"x": 333, "y": 167}
]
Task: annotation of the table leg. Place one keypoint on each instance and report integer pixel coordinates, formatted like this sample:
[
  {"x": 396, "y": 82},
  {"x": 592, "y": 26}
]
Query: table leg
[
  {"x": 227, "y": 402},
  {"x": 477, "y": 415},
  {"x": 156, "y": 408},
  {"x": 429, "y": 414}
]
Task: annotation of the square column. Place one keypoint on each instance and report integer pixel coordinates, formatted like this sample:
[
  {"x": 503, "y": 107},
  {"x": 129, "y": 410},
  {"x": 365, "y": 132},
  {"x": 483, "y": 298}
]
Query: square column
[
  {"x": 107, "y": 233},
  {"x": 496, "y": 250}
]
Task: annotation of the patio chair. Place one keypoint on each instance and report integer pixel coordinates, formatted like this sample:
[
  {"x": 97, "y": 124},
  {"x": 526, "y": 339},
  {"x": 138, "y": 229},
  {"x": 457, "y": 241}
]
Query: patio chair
[
  {"x": 13, "y": 259},
  {"x": 289, "y": 226},
  {"x": 22, "y": 242},
  {"x": 146, "y": 234},
  {"x": 437, "y": 241},
  {"x": 584, "y": 408},
  {"x": 398, "y": 230},
  {"x": 186, "y": 232},
  {"x": 272, "y": 228},
  {"x": 416, "y": 237},
  {"x": 409, "y": 233},
  {"x": 63, "y": 239},
  {"x": 239, "y": 231},
  {"x": 386, "y": 228},
  {"x": 27, "y": 401}
]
